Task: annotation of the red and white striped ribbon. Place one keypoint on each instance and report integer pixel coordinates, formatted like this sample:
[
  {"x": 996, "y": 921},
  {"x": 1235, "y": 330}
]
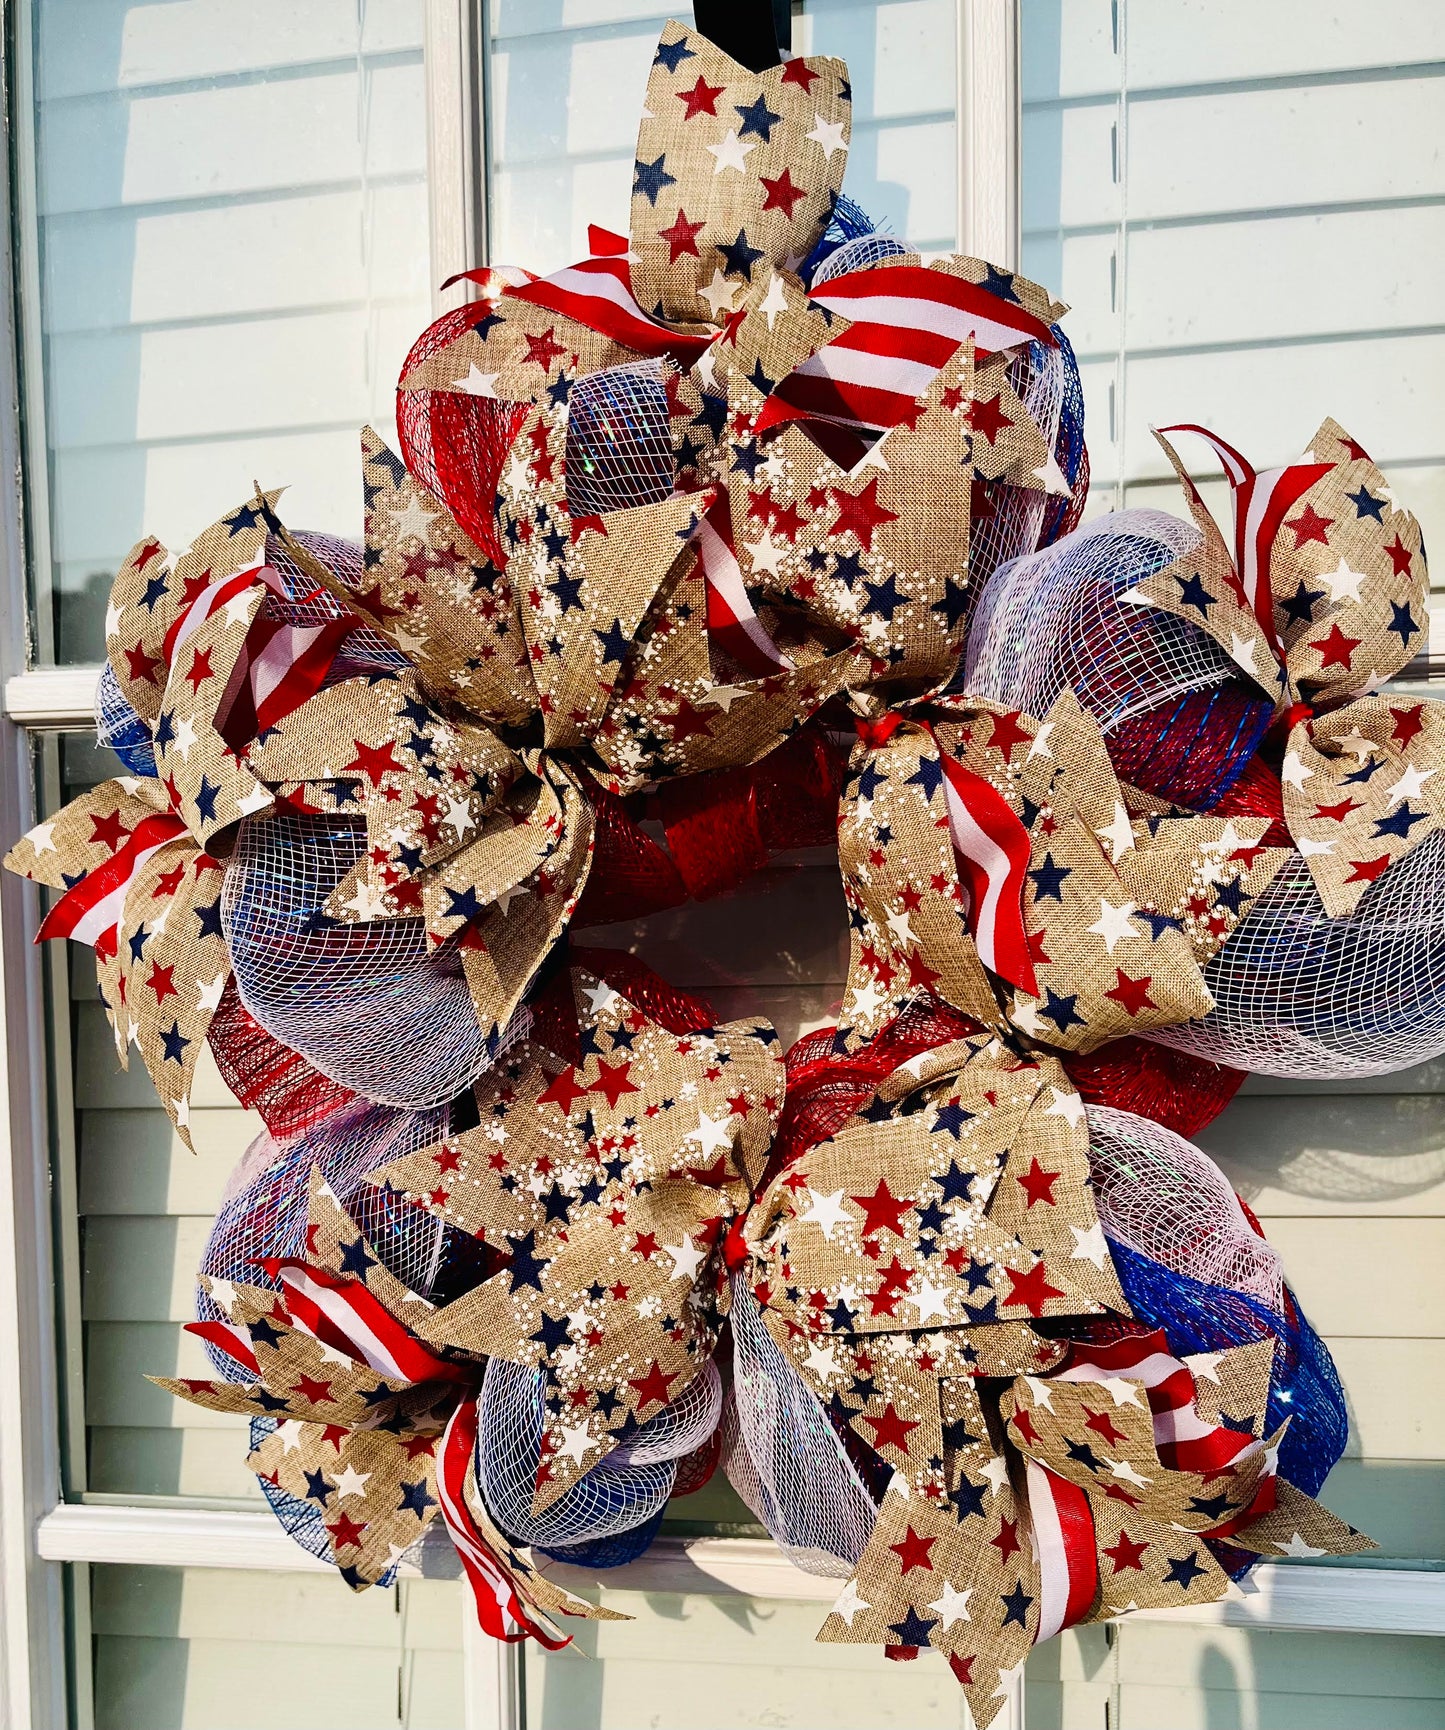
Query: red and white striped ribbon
[
  {"x": 91, "y": 910},
  {"x": 228, "y": 1337},
  {"x": 1185, "y": 1441},
  {"x": 993, "y": 849},
  {"x": 598, "y": 293},
  {"x": 280, "y": 666},
  {"x": 1066, "y": 1546},
  {"x": 211, "y": 599},
  {"x": 1261, "y": 500},
  {"x": 908, "y": 322},
  {"x": 731, "y": 620}
]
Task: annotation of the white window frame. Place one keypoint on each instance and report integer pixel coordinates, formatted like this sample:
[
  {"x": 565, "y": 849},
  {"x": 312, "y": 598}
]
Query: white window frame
[{"x": 39, "y": 1531}]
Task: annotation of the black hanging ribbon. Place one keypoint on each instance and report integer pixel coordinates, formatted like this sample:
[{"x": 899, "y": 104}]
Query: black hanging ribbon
[{"x": 752, "y": 31}]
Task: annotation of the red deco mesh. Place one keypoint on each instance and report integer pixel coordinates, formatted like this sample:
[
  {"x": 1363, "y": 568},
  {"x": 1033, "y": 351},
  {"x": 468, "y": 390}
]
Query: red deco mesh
[
  {"x": 456, "y": 443},
  {"x": 1173, "y": 1088},
  {"x": 266, "y": 1076},
  {"x": 631, "y": 875},
  {"x": 1188, "y": 747},
  {"x": 826, "y": 1086},
  {"x": 1257, "y": 793}
]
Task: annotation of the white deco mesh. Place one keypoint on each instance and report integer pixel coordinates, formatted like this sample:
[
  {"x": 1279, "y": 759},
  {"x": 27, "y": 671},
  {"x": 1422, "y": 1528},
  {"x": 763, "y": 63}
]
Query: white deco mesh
[
  {"x": 619, "y": 442},
  {"x": 1015, "y": 519},
  {"x": 263, "y": 1211},
  {"x": 1157, "y": 1193},
  {"x": 784, "y": 1458},
  {"x": 859, "y": 254},
  {"x": 1300, "y": 994},
  {"x": 364, "y": 649},
  {"x": 314, "y": 982},
  {"x": 621, "y": 1492},
  {"x": 1055, "y": 619}
]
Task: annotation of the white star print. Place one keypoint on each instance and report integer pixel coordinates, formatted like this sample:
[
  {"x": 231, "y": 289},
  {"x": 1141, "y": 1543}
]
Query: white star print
[
  {"x": 413, "y": 518},
  {"x": 1122, "y": 1469},
  {"x": 828, "y": 135},
  {"x": 576, "y": 1442},
  {"x": 827, "y": 1212},
  {"x": 849, "y": 1603},
  {"x": 112, "y": 621},
  {"x": 210, "y": 995},
  {"x": 1089, "y": 1245},
  {"x": 821, "y": 1361},
  {"x": 1292, "y": 771},
  {"x": 996, "y": 1471},
  {"x": 1119, "y": 834},
  {"x": 1409, "y": 785},
  {"x": 600, "y": 998},
  {"x": 1114, "y": 924},
  {"x": 952, "y": 1607},
  {"x": 686, "y": 1257},
  {"x": 258, "y": 799},
  {"x": 185, "y": 738},
  {"x": 1298, "y": 1547},
  {"x": 477, "y": 382},
  {"x": 1122, "y": 1391},
  {"x": 1205, "y": 1366},
  {"x": 724, "y": 696},
  {"x": 42, "y": 838},
  {"x": 867, "y": 1001},
  {"x": 711, "y": 1132},
  {"x": 1067, "y": 1105},
  {"x": 1040, "y": 1392},
  {"x": 1040, "y": 745},
  {"x": 719, "y": 294},
  {"x": 1242, "y": 651},
  {"x": 1344, "y": 583},
  {"x": 459, "y": 817},
  {"x": 902, "y": 931},
  {"x": 290, "y": 1432},
  {"x": 730, "y": 153},
  {"x": 775, "y": 302},
  {"x": 223, "y": 1292},
  {"x": 930, "y": 1299},
  {"x": 1308, "y": 849},
  {"x": 766, "y": 556},
  {"x": 350, "y": 1482}
]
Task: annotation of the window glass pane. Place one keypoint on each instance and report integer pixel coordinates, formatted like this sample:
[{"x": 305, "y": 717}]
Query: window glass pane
[
  {"x": 204, "y": 1649},
  {"x": 224, "y": 244},
  {"x": 1244, "y": 206},
  {"x": 566, "y": 88}
]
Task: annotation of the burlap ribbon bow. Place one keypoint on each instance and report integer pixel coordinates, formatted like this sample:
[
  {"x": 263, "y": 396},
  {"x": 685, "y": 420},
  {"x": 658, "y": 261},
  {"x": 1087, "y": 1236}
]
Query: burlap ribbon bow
[{"x": 1320, "y": 595}]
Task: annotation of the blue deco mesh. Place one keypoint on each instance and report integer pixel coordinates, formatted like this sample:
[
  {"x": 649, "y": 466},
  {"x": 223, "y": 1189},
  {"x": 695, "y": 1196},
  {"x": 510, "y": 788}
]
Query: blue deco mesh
[
  {"x": 849, "y": 221},
  {"x": 119, "y": 727},
  {"x": 1069, "y": 451},
  {"x": 1304, "y": 1386}
]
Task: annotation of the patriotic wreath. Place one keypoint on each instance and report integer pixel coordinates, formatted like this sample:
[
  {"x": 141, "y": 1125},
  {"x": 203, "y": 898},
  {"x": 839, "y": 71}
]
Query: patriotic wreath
[{"x": 751, "y": 532}]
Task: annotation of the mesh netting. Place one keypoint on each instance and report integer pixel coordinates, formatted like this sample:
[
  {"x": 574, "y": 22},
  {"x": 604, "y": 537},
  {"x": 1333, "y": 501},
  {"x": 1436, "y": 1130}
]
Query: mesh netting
[
  {"x": 619, "y": 446},
  {"x": 456, "y": 443},
  {"x": 861, "y": 252},
  {"x": 1062, "y": 516},
  {"x": 1164, "y": 1197},
  {"x": 1174, "y": 1088},
  {"x": 1257, "y": 792},
  {"x": 263, "y": 1212},
  {"x": 1056, "y": 619},
  {"x": 267, "y": 1077},
  {"x": 849, "y": 221},
  {"x": 120, "y": 728},
  {"x": 1300, "y": 994},
  {"x": 783, "y": 1456},
  {"x": 622, "y": 1492},
  {"x": 1192, "y": 749},
  {"x": 312, "y": 981}
]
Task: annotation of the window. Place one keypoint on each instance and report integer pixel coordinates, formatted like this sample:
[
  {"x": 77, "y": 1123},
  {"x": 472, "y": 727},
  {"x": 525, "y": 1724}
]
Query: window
[{"x": 229, "y": 223}]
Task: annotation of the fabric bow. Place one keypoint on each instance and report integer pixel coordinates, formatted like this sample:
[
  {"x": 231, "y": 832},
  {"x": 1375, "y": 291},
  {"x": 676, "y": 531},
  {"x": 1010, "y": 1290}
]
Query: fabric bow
[{"x": 1320, "y": 596}]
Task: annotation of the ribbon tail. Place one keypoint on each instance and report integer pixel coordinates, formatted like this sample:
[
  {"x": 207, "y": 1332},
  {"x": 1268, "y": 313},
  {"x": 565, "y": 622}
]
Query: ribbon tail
[
  {"x": 993, "y": 850},
  {"x": 500, "y": 1609},
  {"x": 1067, "y": 1549}
]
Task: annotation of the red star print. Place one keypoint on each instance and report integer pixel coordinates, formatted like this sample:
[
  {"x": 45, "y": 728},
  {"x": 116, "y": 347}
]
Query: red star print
[
  {"x": 1400, "y": 556},
  {"x": 108, "y": 831},
  {"x": 652, "y": 1388},
  {"x": 372, "y": 601},
  {"x": 373, "y": 760},
  {"x": 1023, "y": 1422},
  {"x": 345, "y": 1532},
  {"x": 564, "y": 1091},
  {"x": 195, "y": 586},
  {"x": 1126, "y": 1554},
  {"x": 1336, "y": 649},
  {"x": 614, "y": 1079},
  {"x": 312, "y": 1390},
  {"x": 860, "y": 514},
  {"x": 962, "y": 1668},
  {"x": 701, "y": 99},
  {"x": 140, "y": 666},
  {"x": 1337, "y": 813},
  {"x": 800, "y": 73},
  {"x": 1133, "y": 994},
  {"x": 645, "y": 1245},
  {"x": 168, "y": 882},
  {"x": 1007, "y": 1542},
  {"x": 1309, "y": 525},
  {"x": 1007, "y": 735},
  {"x": 1408, "y": 723},
  {"x": 913, "y": 1552},
  {"x": 986, "y": 417},
  {"x": 149, "y": 551},
  {"x": 200, "y": 669},
  {"x": 920, "y": 974},
  {"x": 681, "y": 238},
  {"x": 891, "y": 1431},
  {"x": 162, "y": 982},
  {"x": 1355, "y": 449},
  {"x": 883, "y": 1211},
  {"x": 1038, "y": 1184},
  {"x": 447, "y": 1159},
  {"x": 1031, "y": 1290},
  {"x": 1103, "y": 1425},
  {"x": 1367, "y": 870},
  {"x": 782, "y": 194},
  {"x": 544, "y": 349}
]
